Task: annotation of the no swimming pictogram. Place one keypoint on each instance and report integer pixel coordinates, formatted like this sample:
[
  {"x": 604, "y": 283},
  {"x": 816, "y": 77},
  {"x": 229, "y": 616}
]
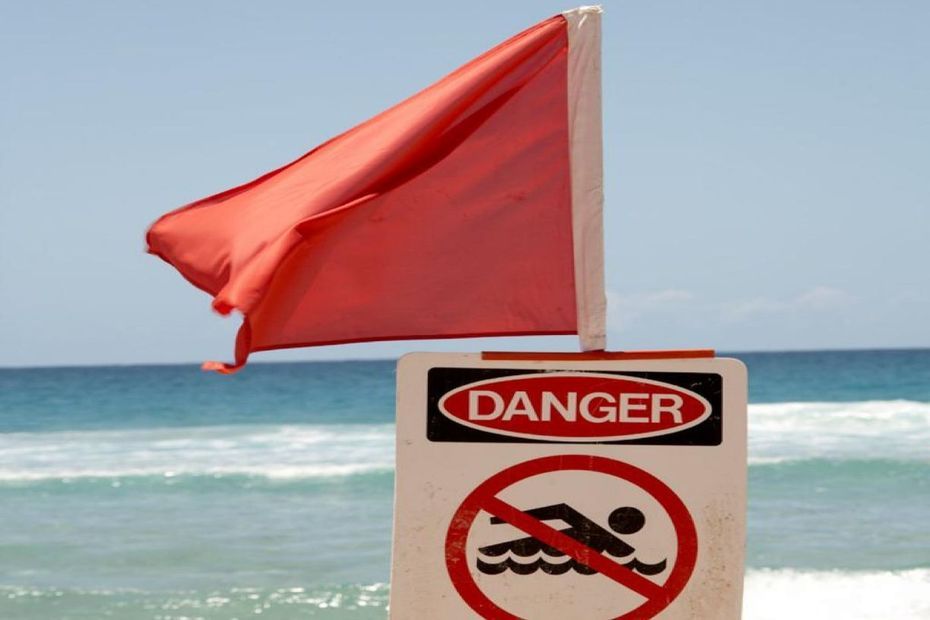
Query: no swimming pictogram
[{"x": 584, "y": 547}]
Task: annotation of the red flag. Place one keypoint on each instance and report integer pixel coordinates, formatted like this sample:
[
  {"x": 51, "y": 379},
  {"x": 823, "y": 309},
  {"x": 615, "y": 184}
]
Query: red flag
[{"x": 472, "y": 208}]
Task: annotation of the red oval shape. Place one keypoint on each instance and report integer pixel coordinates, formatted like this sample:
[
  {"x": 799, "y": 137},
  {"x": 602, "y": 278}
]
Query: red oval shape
[{"x": 575, "y": 406}]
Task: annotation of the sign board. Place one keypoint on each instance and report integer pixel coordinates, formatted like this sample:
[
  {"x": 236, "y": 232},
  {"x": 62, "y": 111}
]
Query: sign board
[{"x": 605, "y": 489}]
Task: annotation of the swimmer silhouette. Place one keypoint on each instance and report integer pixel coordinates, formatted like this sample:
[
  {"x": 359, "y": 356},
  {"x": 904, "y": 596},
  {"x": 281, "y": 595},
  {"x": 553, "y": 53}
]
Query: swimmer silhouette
[{"x": 625, "y": 520}]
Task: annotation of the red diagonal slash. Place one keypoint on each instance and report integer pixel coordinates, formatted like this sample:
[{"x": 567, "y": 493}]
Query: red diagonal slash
[{"x": 577, "y": 551}]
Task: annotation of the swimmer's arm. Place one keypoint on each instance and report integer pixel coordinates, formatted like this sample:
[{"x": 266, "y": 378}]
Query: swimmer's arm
[{"x": 556, "y": 511}]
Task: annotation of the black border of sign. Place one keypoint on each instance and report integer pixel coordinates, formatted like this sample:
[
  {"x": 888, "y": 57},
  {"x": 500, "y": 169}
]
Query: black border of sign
[{"x": 441, "y": 380}]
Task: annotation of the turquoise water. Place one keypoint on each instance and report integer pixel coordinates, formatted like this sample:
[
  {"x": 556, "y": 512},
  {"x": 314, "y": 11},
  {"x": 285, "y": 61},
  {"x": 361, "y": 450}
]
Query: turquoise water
[{"x": 161, "y": 492}]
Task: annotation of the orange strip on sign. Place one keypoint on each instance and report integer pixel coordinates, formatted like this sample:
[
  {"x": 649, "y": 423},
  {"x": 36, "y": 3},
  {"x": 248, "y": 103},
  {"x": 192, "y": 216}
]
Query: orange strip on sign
[{"x": 590, "y": 356}]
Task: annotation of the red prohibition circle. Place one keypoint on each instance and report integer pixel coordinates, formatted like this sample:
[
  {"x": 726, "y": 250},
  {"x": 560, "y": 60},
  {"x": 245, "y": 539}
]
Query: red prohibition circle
[{"x": 484, "y": 498}]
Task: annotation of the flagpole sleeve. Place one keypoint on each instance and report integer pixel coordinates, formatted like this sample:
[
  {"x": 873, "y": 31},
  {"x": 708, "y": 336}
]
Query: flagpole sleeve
[{"x": 586, "y": 160}]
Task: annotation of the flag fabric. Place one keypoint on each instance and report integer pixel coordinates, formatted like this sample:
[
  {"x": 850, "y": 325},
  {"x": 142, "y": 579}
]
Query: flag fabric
[{"x": 473, "y": 208}]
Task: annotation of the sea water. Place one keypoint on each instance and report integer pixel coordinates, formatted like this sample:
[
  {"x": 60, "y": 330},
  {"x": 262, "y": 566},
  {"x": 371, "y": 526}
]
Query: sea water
[{"x": 164, "y": 493}]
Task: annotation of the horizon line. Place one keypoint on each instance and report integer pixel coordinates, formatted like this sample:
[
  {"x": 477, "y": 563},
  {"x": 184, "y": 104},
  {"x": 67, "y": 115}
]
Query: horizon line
[{"x": 718, "y": 353}]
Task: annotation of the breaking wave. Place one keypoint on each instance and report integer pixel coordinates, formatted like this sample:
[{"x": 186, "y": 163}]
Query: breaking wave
[
  {"x": 273, "y": 452},
  {"x": 769, "y": 595},
  {"x": 889, "y": 429},
  {"x": 778, "y": 433},
  {"x": 356, "y": 602},
  {"x": 873, "y": 595}
]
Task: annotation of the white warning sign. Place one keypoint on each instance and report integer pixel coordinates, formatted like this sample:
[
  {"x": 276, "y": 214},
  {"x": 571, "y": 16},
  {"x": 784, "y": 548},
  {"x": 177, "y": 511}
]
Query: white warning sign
[{"x": 559, "y": 489}]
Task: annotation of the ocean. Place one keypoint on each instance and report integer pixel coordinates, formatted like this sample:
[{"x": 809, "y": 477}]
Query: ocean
[{"x": 165, "y": 493}]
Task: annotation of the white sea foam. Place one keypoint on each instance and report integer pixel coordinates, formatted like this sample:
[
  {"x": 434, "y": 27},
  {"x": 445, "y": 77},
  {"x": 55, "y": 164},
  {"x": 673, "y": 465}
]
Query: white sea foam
[
  {"x": 275, "y": 452},
  {"x": 892, "y": 429},
  {"x": 777, "y": 432},
  {"x": 769, "y": 595},
  {"x": 786, "y": 593},
  {"x": 348, "y": 601}
]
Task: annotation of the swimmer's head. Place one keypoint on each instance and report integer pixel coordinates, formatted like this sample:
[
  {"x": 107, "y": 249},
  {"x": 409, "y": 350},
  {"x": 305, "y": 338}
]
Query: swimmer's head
[{"x": 626, "y": 520}]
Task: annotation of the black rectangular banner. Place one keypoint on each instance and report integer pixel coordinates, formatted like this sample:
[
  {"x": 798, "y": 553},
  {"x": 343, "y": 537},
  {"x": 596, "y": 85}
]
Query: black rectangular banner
[{"x": 482, "y": 405}]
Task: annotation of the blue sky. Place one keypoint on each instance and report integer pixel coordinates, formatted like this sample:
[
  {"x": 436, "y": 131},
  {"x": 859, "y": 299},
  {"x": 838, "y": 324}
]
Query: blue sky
[{"x": 766, "y": 163}]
